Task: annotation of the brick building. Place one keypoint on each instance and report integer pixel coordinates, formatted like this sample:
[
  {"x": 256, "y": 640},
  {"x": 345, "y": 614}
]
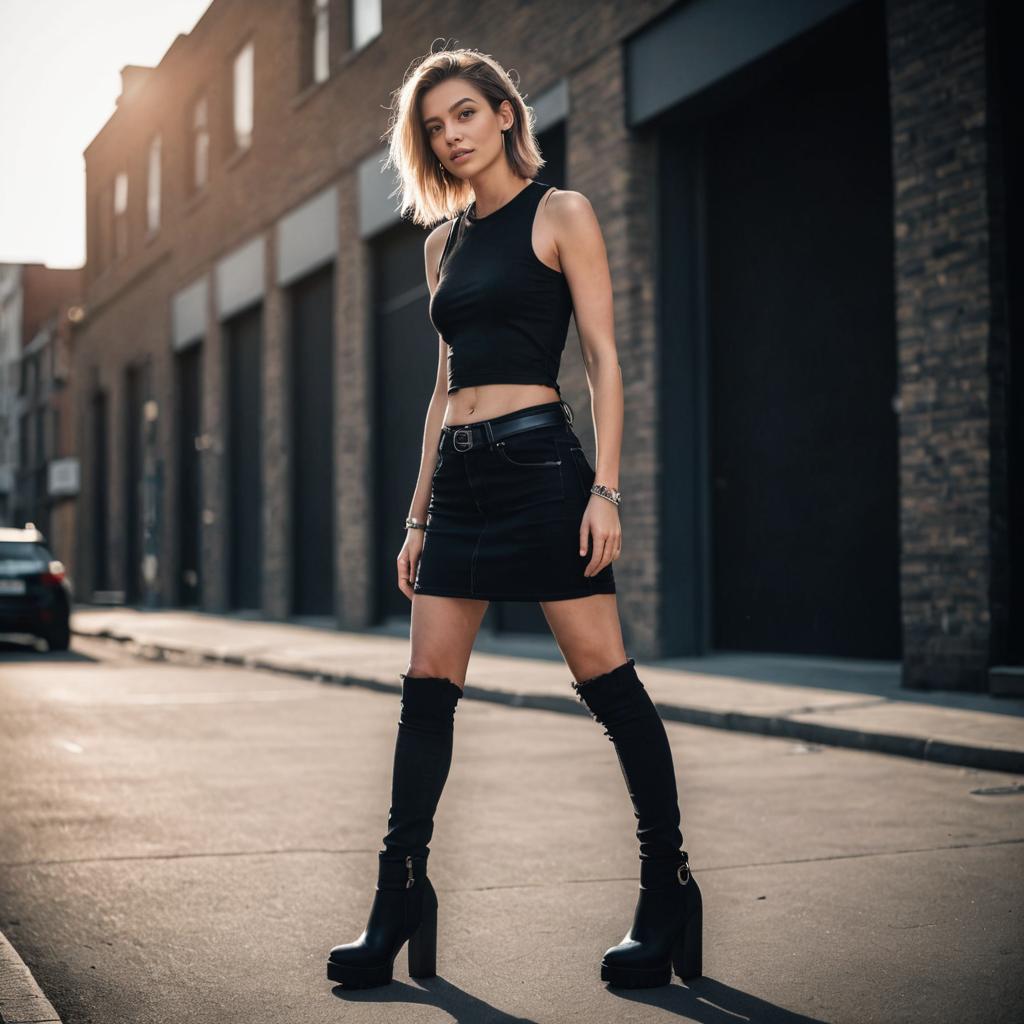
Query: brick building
[
  {"x": 807, "y": 210},
  {"x": 38, "y": 470}
]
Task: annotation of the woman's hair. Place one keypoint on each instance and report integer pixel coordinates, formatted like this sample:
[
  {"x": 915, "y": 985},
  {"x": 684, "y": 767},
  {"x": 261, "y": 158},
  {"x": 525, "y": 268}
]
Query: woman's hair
[{"x": 430, "y": 193}]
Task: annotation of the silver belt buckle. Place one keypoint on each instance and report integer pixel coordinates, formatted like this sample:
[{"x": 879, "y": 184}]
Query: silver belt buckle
[{"x": 469, "y": 439}]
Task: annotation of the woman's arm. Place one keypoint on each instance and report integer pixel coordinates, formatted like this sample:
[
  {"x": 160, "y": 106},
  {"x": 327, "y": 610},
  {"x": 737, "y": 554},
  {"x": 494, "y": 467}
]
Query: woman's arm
[
  {"x": 432, "y": 249},
  {"x": 409, "y": 556},
  {"x": 431, "y": 436},
  {"x": 584, "y": 261}
]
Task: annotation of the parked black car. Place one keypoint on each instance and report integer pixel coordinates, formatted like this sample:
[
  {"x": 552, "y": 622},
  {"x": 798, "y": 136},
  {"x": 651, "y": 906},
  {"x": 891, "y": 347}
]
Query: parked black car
[{"x": 35, "y": 595}]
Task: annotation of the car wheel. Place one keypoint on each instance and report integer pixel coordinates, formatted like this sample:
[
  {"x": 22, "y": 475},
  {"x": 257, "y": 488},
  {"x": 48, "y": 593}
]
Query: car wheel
[{"x": 59, "y": 638}]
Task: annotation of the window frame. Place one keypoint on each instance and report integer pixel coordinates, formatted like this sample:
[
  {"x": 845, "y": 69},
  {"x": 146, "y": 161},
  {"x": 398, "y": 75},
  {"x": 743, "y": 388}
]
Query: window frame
[
  {"x": 243, "y": 141},
  {"x": 355, "y": 45},
  {"x": 154, "y": 197}
]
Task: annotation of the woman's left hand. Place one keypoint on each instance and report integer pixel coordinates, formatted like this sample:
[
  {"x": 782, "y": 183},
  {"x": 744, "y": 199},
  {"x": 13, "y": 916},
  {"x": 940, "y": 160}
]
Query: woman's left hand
[{"x": 601, "y": 522}]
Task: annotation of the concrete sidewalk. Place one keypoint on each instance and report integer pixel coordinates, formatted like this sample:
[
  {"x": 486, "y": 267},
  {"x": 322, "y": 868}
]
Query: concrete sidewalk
[{"x": 838, "y": 702}]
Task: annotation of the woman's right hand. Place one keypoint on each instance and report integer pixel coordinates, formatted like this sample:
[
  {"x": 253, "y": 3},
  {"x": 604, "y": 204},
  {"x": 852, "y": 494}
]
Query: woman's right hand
[{"x": 408, "y": 560}]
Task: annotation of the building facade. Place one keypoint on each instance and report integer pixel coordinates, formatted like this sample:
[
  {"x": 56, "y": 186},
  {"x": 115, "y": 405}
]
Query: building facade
[
  {"x": 38, "y": 465},
  {"x": 807, "y": 213}
]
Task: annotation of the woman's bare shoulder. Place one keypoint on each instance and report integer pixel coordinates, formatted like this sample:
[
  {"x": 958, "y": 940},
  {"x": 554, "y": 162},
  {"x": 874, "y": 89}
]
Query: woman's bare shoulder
[{"x": 569, "y": 205}]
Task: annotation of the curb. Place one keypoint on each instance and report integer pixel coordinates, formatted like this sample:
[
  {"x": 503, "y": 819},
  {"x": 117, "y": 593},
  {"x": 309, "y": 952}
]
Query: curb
[
  {"x": 966, "y": 755},
  {"x": 21, "y": 999}
]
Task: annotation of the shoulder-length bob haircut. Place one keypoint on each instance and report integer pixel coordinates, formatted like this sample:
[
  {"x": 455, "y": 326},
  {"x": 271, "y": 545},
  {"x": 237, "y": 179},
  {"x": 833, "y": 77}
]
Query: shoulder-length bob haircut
[{"x": 430, "y": 193}]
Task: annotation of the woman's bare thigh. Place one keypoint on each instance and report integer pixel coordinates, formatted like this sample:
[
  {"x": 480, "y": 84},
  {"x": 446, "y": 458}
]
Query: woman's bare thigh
[
  {"x": 588, "y": 633},
  {"x": 442, "y": 635}
]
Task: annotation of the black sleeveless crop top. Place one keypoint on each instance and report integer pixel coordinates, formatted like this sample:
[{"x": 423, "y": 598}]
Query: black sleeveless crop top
[{"x": 502, "y": 311}]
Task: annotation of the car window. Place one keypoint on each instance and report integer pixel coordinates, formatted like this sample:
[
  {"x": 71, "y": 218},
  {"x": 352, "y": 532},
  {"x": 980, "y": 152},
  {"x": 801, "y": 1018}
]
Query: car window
[{"x": 18, "y": 554}]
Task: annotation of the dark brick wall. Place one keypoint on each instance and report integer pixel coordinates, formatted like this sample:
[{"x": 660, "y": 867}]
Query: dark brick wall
[{"x": 944, "y": 311}]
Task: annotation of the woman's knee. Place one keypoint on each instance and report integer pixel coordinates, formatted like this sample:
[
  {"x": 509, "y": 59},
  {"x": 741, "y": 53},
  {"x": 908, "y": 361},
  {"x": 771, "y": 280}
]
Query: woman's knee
[{"x": 426, "y": 667}]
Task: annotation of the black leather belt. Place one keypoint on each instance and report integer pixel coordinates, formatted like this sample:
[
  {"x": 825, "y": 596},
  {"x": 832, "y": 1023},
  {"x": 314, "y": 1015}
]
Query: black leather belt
[{"x": 475, "y": 435}]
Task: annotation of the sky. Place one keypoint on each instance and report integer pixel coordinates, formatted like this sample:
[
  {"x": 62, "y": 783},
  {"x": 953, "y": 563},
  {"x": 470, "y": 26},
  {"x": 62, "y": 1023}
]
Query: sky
[{"x": 60, "y": 76}]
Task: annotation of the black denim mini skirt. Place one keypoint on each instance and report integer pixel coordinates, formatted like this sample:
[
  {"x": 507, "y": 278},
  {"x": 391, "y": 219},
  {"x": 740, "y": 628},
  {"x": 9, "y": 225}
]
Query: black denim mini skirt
[{"x": 504, "y": 517}]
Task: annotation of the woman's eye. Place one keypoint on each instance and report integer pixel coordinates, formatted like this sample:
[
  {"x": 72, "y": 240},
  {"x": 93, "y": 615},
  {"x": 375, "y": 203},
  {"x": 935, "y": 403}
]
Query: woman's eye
[{"x": 434, "y": 127}]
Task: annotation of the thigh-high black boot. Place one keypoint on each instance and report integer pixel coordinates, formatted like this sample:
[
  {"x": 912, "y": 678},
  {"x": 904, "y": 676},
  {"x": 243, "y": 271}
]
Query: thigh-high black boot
[
  {"x": 405, "y": 904},
  {"x": 666, "y": 929}
]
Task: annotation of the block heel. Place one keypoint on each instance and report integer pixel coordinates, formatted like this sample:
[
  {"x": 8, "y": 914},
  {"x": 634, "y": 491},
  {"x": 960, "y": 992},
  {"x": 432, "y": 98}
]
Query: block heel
[
  {"x": 687, "y": 949},
  {"x": 423, "y": 943}
]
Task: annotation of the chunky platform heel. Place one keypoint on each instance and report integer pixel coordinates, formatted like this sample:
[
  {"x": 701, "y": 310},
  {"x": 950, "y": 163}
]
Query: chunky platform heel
[
  {"x": 398, "y": 915},
  {"x": 665, "y": 936}
]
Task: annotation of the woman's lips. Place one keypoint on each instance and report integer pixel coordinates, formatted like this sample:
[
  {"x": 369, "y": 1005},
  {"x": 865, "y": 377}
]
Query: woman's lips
[{"x": 462, "y": 156}]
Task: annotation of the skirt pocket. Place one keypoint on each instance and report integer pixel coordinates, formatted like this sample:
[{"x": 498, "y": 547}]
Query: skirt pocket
[
  {"x": 529, "y": 451},
  {"x": 530, "y": 471}
]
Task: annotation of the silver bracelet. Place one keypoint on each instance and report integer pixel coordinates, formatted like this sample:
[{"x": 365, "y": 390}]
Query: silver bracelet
[
  {"x": 414, "y": 524},
  {"x": 614, "y": 496}
]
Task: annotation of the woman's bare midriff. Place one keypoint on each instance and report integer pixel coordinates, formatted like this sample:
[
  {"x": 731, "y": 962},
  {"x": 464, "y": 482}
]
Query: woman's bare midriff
[{"x": 485, "y": 401}]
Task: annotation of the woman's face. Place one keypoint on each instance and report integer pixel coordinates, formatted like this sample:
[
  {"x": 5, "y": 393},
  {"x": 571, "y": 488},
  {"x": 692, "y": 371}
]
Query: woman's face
[{"x": 457, "y": 119}]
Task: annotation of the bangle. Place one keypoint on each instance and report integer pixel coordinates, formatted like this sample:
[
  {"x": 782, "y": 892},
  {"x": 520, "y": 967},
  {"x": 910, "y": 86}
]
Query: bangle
[
  {"x": 614, "y": 496},
  {"x": 414, "y": 524}
]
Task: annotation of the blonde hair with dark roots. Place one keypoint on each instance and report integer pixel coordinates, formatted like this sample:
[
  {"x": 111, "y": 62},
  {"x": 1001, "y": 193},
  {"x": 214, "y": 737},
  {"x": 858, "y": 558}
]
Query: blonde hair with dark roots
[{"x": 430, "y": 193}]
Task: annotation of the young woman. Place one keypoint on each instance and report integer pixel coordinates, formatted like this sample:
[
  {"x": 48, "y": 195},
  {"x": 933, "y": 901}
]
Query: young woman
[{"x": 507, "y": 507}]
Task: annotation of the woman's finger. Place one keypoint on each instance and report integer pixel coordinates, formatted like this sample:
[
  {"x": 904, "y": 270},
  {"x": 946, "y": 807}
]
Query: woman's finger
[{"x": 597, "y": 561}]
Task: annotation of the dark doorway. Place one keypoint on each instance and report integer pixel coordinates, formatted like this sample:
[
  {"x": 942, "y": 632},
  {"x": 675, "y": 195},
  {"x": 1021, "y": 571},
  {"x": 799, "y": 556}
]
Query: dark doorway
[
  {"x": 405, "y": 348},
  {"x": 188, "y": 367},
  {"x": 778, "y": 327},
  {"x": 133, "y": 428},
  {"x": 312, "y": 414},
  {"x": 243, "y": 337},
  {"x": 100, "y": 494}
]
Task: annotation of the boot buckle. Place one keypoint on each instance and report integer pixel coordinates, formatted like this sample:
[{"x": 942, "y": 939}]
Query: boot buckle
[
  {"x": 684, "y": 866},
  {"x": 408, "y": 864}
]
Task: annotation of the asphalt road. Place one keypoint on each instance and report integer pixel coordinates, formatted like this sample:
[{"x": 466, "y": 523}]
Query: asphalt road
[{"x": 184, "y": 844}]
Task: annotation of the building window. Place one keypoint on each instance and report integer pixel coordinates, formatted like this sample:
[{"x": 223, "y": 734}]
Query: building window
[
  {"x": 366, "y": 22},
  {"x": 153, "y": 186},
  {"x": 120, "y": 214},
  {"x": 321, "y": 41},
  {"x": 200, "y": 130},
  {"x": 242, "y": 97},
  {"x": 316, "y": 41}
]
